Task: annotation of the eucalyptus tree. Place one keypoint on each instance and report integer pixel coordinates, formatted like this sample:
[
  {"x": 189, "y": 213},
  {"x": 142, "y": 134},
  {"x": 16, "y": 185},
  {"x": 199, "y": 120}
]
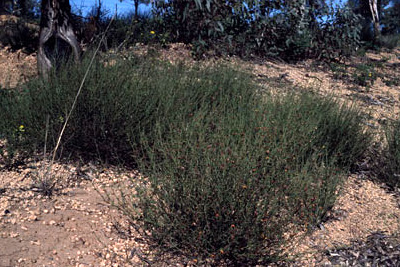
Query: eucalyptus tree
[
  {"x": 373, "y": 6},
  {"x": 57, "y": 39},
  {"x": 371, "y": 11}
]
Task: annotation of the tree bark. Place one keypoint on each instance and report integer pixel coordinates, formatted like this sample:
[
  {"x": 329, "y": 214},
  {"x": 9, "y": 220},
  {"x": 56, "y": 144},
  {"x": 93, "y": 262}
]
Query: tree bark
[
  {"x": 136, "y": 10},
  {"x": 3, "y": 7},
  {"x": 22, "y": 7},
  {"x": 373, "y": 5},
  {"x": 55, "y": 28}
]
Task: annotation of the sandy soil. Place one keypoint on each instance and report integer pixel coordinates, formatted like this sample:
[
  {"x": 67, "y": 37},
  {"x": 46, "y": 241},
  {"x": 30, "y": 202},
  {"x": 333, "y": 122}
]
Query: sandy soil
[{"x": 77, "y": 227}]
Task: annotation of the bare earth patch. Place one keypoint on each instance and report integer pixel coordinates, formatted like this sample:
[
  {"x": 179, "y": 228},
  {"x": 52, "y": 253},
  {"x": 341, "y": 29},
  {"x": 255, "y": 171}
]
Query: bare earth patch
[
  {"x": 76, "y": 227},
  {"x": 15, "y": 67}
]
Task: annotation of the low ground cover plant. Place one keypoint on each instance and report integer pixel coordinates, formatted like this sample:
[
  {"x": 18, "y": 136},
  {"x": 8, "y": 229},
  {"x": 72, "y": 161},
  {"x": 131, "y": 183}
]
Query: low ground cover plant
[{"x": 229, "y": 170}]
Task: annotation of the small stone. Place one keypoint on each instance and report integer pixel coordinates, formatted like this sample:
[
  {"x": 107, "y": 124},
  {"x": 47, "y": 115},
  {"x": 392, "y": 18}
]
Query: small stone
[
  {"x": 46, "y": 211},
  {"x": 32, "y": 217},
  {"x": 24, "y": 228},
  {"x": 14, "y": 235},
  {"x": 37, "y": 243},
  {"x": 52, "y": 222}
]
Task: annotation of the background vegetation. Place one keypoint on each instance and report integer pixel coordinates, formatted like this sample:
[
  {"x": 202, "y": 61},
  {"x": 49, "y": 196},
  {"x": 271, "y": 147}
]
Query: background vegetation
[{"x": 290, "y": 30}]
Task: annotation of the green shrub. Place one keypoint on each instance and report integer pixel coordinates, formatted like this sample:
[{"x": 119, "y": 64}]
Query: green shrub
[
  {"x": 126, "y": 31},
  {"x": 390, "y": 171},
  {"x": 339, "y": 70},
  {"x": 287, "y": 29},
  {"x": 230, "y": 171},
  {"x": 365, "y": 74},
  {"x": 18, "y": 33},
  {"x": 234, "y": 178},
  {"x": 117, "y": 103},
  {"x": 390, "y": 41},
  {"x": 339, "y": 34}
]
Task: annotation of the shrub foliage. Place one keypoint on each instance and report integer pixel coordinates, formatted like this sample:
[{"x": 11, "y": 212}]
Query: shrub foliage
[
  {"x": 232, "y": 180},
  {"x": 287, "y": 29},
  {"x": 229, "y": 170},
  {"x": 389, "y": 170}
]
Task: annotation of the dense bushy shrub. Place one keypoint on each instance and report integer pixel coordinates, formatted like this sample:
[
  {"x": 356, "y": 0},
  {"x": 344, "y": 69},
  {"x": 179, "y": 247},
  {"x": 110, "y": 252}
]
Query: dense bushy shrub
[
  {"x": 232, "y": 179},
  {"x": 117, "y": 103},
  {"x": 339, "y": 34},
  {"x": 229, "y": 171}
]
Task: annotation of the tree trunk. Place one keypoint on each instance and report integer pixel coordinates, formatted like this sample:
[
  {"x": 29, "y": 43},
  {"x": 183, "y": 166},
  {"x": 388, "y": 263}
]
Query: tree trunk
[
  {"x": 302, "y": 13},
  {"x": 3, "y": 7},
  {"x": 136, "y": 10},
  {"x": 22, "y": 7},
  {"x": 56, "y": 35},
  {"x": 373, "y": 5}
]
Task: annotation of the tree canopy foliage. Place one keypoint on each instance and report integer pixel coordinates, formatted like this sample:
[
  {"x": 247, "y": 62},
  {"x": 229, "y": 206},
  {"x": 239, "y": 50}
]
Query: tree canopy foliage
[
  {"x": 388, "y": 13},
  {"x": 290, "y": 30},
  {"x": 23, "y": 8},
  {"x": 391, "y": 18}
]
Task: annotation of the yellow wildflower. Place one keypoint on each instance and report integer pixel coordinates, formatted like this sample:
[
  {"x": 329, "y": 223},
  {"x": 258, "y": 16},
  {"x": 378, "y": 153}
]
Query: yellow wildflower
[
  {"x": 21, "y": 128},
  {"x": 152, "y": 32}
]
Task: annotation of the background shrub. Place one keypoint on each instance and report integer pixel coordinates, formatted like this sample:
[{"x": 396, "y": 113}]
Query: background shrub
[
  {"x": 365, "y": 74},
  {"x": 18, "y": 33},
  {"x": 287, "y": 29},
  {"x": 390, "y": 41},
  {"x": 389, "y": 170}
]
